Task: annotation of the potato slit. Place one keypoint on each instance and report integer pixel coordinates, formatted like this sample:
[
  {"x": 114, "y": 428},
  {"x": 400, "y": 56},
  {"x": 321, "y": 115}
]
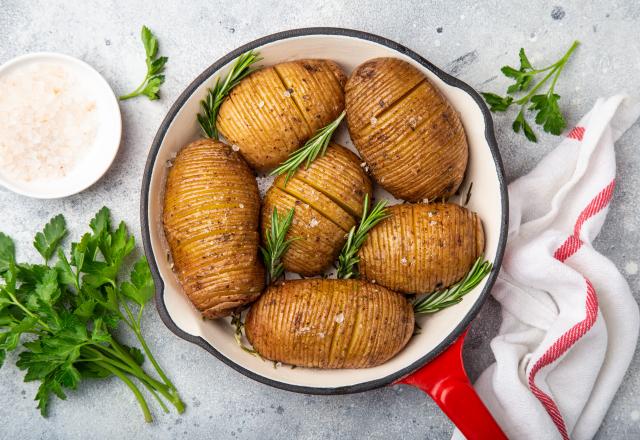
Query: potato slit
[
  {"x": 397, "y": 102},
  {"x": 295, "y": 103}
]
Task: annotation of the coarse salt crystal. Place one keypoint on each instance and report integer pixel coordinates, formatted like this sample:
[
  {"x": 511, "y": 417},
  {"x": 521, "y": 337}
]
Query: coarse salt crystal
[
  {"x": 241, "y": 205},
  {"x": 403, "y": 261},
  {"x": 321, "y": 335},
  {"x": 374, "y": 120},
  {"x": 314, "y": 222},
  {"x": 235, "y": 148},
  {"x": 49, "y": 121},
  {"x": 261, "y": 104},
  {"x": 339, "y": 318}
]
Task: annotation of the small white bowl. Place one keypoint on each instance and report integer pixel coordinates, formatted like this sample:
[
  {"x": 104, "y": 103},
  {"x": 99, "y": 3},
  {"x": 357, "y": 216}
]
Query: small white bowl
[{"x": 97, "y": 160}]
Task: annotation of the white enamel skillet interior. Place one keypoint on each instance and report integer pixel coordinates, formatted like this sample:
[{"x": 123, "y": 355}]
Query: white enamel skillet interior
[{"x": 349, "y": 48}]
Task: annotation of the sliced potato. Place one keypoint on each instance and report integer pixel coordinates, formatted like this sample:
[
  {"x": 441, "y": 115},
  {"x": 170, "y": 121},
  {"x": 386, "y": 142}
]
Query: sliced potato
[
  {"x": 407, "y": 132},
  {"x": 275, "y": 110},
  {"x": 328, "y": 199},
  {"x": 329, "y": 323},
  {"x": 210, "y": 218},
  {"x": 421, "y": 248}
]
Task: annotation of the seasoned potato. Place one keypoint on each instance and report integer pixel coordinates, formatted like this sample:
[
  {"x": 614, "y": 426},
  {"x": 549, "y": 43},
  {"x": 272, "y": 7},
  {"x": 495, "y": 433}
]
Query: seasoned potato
[
  {"x": 275, "y": 110},
  {"x": 423, "y": 247},
  {"x": 328, "y": 199},
  {"x": 329, "y": 323},
  {"x": 211, "y": 209},
  {"x": 409, "y": 135}
]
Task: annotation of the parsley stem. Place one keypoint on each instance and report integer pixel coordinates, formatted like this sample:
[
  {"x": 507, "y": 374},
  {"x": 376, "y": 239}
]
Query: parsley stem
[
  {"x": 135, "y": 327},
  {"x": 27, "y": 311},
  {"x": 135, "y": 93},
  {"x": 132, "y": 387}
]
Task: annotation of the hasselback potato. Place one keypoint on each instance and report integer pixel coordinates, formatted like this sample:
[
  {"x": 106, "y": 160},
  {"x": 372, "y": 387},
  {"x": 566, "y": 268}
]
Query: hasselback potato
[
  {"x": 328, "y": 199},
  {"x": 275, "y": 110},
  {"x": 329, "y": 323},
  {"x": 211, "y": 209},
  {"x": 407, "y": 132},
  {"x": 422, "y": 247}
]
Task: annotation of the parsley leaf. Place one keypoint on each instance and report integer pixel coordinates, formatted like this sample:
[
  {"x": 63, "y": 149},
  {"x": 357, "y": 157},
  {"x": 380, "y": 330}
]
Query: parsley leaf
[
  {"x": 150, "y": 87},
  {"x": 7, "y": 252},
  {"x": 48, "y": 240},
  {"x": 548, "y": 113}
]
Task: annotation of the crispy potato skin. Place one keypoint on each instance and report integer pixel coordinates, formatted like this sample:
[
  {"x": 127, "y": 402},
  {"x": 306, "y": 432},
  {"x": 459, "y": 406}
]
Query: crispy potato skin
[
  {"x": 407, "y": 132},
  {"x": 210, "y": 218},
  {"x": 328, "y": 199},
  {"x": 330, "y": 323},
  {"x": 275, "y": 110},
  {"x": 422, "y": 247}
]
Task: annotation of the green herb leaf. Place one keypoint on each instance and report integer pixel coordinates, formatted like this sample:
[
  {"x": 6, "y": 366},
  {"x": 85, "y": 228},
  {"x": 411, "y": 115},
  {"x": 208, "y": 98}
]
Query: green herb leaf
[
  {"x": 150, "y": 87},
  {"x": 497, "y": 103},
  {"x": 442, "y": 299},
  {"x": 210, "y": 106},
  {"x": 276, "y": 244},
  {"x": 48, "y": 240},
  {"x": 141, "y": 287},
  {"x": 548, "y": 113},
  {"x": 348, "y": 259},
  {"x": 521, "y": 123},
  {"x": 314, "y": 147},
  {"x": 7, "y": 252}
]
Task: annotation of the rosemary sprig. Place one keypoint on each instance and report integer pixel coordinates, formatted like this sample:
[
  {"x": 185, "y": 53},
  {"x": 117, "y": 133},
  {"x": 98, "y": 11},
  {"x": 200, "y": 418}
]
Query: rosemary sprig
[
  {"x": 276, "y": 245},
  {"x": 236, "y": 322},
  {"x": 314, "y": 147},
  {"x": 442, "y": 299},
  {"x": 211, "y": 104},
  {"x": 348, "y": 256}
]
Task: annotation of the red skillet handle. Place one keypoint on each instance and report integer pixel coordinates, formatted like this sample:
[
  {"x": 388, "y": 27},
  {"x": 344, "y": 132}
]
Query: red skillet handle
[{"x": 446, "y": 381}]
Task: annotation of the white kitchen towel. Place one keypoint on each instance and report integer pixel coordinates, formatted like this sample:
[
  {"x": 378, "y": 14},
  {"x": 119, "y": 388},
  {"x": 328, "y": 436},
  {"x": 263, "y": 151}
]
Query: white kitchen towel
[{"x": 569, "y": 322}]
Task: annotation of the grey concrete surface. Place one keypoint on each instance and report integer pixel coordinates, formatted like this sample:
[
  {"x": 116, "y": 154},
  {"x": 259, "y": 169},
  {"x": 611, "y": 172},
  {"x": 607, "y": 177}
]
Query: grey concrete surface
[{"x": 469, "y": 38}]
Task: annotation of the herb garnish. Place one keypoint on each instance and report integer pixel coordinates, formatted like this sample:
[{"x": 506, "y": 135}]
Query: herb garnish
[
  {"x": 545, "y": 105},
  {"x": 70, "y": 311},
  {"x": 314, "y": 147},
  {"x": 441, "y": 299},
  {"x": 155, "y": 66},
  {"x": 276, "y": 245},
  {"x": 211, "y": 104},
  {"x": 348, "y": 258}
]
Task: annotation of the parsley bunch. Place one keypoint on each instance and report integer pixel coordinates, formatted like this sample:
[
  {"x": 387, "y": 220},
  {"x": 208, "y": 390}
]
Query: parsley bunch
[
  {"x": 155, "y": 66},
  {"x": 548, "y": 113},
  {"x": 65, "y": 315}
]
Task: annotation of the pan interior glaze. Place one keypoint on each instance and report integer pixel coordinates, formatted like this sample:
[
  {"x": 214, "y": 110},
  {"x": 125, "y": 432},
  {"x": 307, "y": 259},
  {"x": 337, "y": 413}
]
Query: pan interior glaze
[{"x": 488, "y": 199}]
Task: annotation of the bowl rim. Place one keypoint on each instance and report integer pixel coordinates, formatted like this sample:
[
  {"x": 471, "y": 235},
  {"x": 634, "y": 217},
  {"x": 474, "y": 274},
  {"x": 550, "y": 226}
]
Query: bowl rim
[
  {"x": 208, "y": 73},
  {"x": 100, "y": 169}
]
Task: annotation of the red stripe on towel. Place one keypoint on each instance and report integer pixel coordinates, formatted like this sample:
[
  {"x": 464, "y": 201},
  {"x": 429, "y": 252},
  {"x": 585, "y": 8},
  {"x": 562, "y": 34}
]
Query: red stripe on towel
[{"x": 573, "y": 335}]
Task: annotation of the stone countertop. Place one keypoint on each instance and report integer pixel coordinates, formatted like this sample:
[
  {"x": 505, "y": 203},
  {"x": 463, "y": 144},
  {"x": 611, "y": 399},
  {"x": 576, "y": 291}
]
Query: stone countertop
[{"x": 470, "y": 39}]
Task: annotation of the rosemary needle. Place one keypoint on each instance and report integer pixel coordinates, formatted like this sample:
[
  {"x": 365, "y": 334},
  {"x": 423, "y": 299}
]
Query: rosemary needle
[
  {"x": 348, "y": 258},
  {"x": 442, "y": 299},
  {"x": 276, "y": 245},
  {"x": 314, "y": 147},
  {"x": 211, "y": 104}
]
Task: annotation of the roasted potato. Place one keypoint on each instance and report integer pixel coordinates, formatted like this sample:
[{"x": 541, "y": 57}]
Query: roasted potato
[
  {"x": 422, "y": 247},
  {"x": 328, "y": 199},
  {"x": 275, "y": 110},
  {"x": 329, "y": 323},
  {"x": 211, "y": 212},
  {"x": 407, "y": 132}
]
